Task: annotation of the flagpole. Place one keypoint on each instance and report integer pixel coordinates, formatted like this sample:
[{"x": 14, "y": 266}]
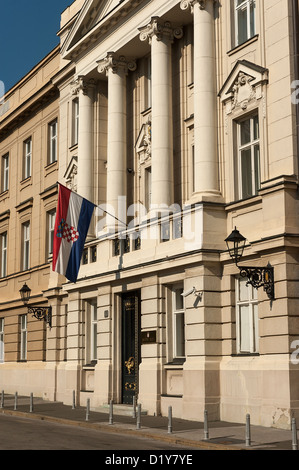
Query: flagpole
[{"x": 95, "y": 205}]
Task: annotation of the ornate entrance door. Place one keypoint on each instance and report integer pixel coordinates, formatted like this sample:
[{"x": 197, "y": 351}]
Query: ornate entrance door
[{"x": 130, "y": 345}]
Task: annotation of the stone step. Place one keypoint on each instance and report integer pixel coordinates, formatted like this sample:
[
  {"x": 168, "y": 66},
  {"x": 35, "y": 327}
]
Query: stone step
[{"x": 124, "y": 410}]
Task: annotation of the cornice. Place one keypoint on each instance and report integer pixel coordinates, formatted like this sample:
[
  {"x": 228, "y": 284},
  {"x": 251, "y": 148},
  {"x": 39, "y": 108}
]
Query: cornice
[{"x": 23, "y": 112}]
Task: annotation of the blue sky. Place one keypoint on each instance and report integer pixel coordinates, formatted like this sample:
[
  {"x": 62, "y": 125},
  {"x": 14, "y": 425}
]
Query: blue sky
[{"x": 28, "y": 31}]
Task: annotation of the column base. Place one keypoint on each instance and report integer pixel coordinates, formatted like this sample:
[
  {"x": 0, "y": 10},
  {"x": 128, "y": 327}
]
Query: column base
[{"x": 205, "y": 196}]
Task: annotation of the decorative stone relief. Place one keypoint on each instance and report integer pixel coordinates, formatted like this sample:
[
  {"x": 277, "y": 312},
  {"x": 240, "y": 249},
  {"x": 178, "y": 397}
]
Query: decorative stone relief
[
  {"x": 243, "y": 91},
  {"x": 144, "y": 145},
  {"x": 70, "y": 175},
  {"x": 244, "y": 87}
]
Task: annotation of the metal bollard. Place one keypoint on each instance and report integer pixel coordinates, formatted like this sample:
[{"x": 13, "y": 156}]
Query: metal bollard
[
  {"x": 74, "y": 400},
  {"x": 248, "y": 437},
  {"x": 134, "y": 408},
  {"x": 2, "y": 399},
  {"x": 138, "y": 417},
  {"x": 169, "y": 419},
  {"x": 87, "y": 409},
  {"x": 111, "y": 412},
  {"x": 31, "y": 402},
  {"x": 206, "y": 426},
  {"x": 16, "y": 401},
  {"x": 294, "y": 435}
]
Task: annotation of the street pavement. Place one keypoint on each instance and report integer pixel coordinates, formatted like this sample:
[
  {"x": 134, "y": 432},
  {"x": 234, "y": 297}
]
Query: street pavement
[{"x": 182, "y": 433}]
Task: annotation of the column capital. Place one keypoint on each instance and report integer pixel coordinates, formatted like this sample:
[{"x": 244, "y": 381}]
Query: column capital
[
  {"x": 110, "y": 62},
  {"x": 160, "y": 30},
  {"x": 81, "y": 84},
  {"x": 185, "y": 4}
]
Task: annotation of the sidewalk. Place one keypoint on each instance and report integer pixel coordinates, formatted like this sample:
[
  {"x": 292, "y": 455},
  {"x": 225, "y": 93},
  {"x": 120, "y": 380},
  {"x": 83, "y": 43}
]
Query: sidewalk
[{"x": 222, "y": 435}]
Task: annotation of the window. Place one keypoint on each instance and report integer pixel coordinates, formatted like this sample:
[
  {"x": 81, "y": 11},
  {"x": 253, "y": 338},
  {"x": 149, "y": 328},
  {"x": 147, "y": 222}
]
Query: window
[
  {"x": 26, "y": 246},
  {"x": 148, "y": 187},
  {"x": 246, "y": 317},
  {"x": 75, "y": 135},
  {"x": 23, "y": 349},
  {"x": 148, "y": 83},
  {"x": 91, "y": 332},
  {"x": 51, "y": 228},
  {"x": 27, "y": 158},
  {"x": 94, "y": 332},
  {"x": 249, "y": 157},
  {"x": 178, "y": 323},
  {"x": 3, "y": 260},
  {"x": 1, "y": 340},
  {"x": 53, "y": 131},
  {"x": 193, "y": 169},
  {"x": 5, "y": 172},
  {"x": 244, "y": 20}
]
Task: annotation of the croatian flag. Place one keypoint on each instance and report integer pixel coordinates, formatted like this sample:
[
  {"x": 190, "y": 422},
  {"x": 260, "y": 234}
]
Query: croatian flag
[{"x": 71, "y": 226}]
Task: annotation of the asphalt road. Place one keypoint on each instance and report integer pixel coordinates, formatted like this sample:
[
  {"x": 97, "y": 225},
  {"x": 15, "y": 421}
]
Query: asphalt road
[{"x": 28, "y": 434}]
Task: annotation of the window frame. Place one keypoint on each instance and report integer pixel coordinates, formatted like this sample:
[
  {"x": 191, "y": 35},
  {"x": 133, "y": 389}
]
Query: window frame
[
  {"x": 51, "y": 217},
  {"x": 3, "y": 260},
  {"x": 26, "y": 245},
  {"x": 5, "y": 173},
  {"x": 27, "y": 158},
  {"x": 251, "y": 145},
  {"x": 2, "y": 351},
  {"x": 91, "y": 332},
  {"x": 23, "y": 337},
  {"x": 75, "y": 121},
  {"x": 148, "y": 178},
  {"x": 53, "y": 141},
  {"x": 246, "y": 5},
  {"x": 148, "y": 83},
  {"x": 253, "y": 318},
  {"x": 175, "y": 313}
]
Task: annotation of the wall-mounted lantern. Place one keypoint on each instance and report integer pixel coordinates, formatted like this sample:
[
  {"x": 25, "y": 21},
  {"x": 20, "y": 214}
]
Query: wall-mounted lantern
[
  {"x": 257, "y": 276},
  {"x": 40, "y": 313}
]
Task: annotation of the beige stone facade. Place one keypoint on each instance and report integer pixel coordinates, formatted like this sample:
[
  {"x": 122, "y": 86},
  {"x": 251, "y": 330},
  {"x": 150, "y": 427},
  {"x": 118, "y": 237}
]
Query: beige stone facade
[
  {"x": 179, "y": 118},
  {"x": 29, "y": 172}
]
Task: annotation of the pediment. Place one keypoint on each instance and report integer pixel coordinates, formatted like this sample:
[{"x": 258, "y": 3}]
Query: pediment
[
  {"x": 243, "y": 84},
  {"x": 91, "y": 14},
  {"x": 70, "y": 175}
]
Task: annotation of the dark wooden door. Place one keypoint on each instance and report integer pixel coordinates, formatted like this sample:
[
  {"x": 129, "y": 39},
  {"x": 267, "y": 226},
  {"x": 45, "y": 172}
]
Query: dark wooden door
[{"x": 130, "y": 346}]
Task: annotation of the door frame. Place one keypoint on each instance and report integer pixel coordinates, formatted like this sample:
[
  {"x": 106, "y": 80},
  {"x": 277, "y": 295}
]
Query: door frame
[{"x": 137, "y": 330}]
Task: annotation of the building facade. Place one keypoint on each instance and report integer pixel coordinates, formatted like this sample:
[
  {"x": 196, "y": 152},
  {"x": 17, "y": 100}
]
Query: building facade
[
  {"x": 178, "y": 119},
  {"x": 29, "y": 172}
]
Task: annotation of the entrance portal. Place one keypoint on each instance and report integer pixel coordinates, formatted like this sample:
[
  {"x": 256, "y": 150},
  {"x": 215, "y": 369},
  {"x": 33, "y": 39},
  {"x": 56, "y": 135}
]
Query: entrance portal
[{"x": 130, "y": 345}]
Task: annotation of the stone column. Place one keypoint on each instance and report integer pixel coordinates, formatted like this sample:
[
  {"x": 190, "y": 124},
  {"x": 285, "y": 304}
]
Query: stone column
[
  {"x": 116, "y": 70},
  {"x": 160, "y": 36},
  {"x": 85, "y": 91},
  {"x": 205, "y": 98}
]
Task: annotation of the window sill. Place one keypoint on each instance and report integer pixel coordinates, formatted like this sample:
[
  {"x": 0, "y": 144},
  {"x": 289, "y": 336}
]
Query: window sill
[
  {"x": 246, "y": 355},
  {"x": 4, "y": 193},
  {"x": 50, "y": 165},
  {"x": 239, "y": 47},
  {"x": 165, "y": 395},
  {"x": 73, "y": 147},
  {"x": 175, "y": 364},
  {"x": 243, "y": 202},
  {"x": 90, "y": 366}
]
